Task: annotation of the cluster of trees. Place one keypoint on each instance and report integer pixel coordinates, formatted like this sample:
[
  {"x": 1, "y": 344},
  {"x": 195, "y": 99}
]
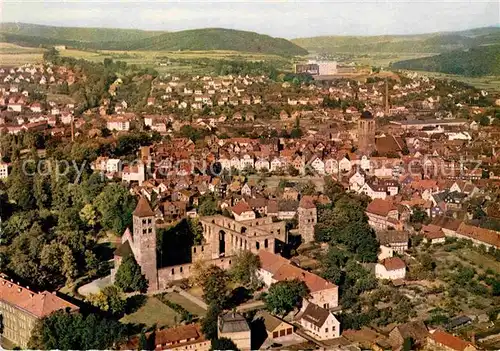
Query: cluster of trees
[
  {"x": 99, "y": 77},
  {"x": 344, "y": 222},
  {"x": 243, "y": 68},
  {"x": 217, "y": 285},
  {"x": 284, "y": 296},
  {"x": 478, "y": 61},
  {"x": 76, "y": 331},
  {"x": 52, "y": 222}
]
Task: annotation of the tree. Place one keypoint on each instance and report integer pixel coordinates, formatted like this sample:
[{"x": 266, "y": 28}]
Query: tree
[
  {"x": 332, "y": 264},
  {"x": 484, "y": 121},
  {"x": 58, "y": 258},
  {"x": 208, "y": 206},
  {"x": 333, "y": 189},
  {"x": 115, "y": 204},
  {"x": 286, "y": 295},
  {"x": 209, "y": 323},
  {"x": 408, "y": 344},
  {"x": 223, "y": 344},
  {"x": 88, "y": 215},
  {"x": 419, "y": 216},
  {"x": 244, "y": 269},
  {"x": 74, "y": 331},
  {"x": 109, "y": 299},
  {"x": 129, "y": 276},
  {"x": 20, "y": 188},
  {"x": 215, "y": 286},
  {"x": 427, "y": 262},
  {"x": 143, "y": 342}
]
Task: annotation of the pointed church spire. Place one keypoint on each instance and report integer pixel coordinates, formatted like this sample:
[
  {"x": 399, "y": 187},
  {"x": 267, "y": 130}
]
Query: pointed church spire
[{"x": 143, "y": 209}]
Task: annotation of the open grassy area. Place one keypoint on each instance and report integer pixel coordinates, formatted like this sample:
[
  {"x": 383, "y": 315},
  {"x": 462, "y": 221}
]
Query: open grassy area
[
  {"x": 490, "y": 83},
  {"x": 154, "y": 58},
  {"x": 384, "y": 59},
  {"x": 14, "y": 55},
  {"x": 191, "y": 307},
  {"x": 153, "y": 312}
]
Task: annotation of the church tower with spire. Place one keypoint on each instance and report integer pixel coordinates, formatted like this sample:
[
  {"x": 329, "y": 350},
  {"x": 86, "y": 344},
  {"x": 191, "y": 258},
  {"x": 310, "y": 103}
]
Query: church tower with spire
[{"x": 144, "y": 241}]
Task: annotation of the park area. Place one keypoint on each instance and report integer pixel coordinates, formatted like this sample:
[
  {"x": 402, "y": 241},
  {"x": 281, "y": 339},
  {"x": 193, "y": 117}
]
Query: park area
[
  {"x": 188, "y": 305},
  {"x": 153, "y": 312}
]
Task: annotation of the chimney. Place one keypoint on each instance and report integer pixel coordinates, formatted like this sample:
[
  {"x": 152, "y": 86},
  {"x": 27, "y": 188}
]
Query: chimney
[
  {"x": 386, "y": 97},
  {"x": 72, "y": 128}
]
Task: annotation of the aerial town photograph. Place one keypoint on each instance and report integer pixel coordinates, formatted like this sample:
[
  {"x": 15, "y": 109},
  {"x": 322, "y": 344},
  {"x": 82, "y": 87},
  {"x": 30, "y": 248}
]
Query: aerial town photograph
[{"x": 250, "y": 175}]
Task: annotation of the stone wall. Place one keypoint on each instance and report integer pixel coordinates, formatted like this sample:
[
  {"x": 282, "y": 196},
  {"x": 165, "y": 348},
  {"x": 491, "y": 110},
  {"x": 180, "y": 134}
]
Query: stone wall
[{"x": 167, "y": 275}]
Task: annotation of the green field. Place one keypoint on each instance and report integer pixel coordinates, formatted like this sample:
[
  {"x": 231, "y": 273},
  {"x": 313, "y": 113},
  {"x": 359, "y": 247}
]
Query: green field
[
  {"x": 14, "y": 55},
  {"x": 191, "y": 307},
  {"x": 490, "y": 83},
  {"x": 153, "y": 312},
  {"x": 160, "y": 60}
]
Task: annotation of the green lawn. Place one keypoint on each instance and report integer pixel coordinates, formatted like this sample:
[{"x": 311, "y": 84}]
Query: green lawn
[
  {"x": 487, "y": 83},
  {"x": 14, "y": 55},
  {"x": 153, "y": 312},
  {"x": 191, "y": 307}
]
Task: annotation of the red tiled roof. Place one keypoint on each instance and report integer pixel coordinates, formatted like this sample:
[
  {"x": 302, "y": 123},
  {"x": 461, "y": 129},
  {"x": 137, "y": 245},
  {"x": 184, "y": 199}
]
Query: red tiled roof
[
  {"x": 449, "y": 340},
  {"x": 39, "y": 304},
  {"x": 486, "y": 236},
  {"x": 380, "y": 207},
  {"x": 143, "y": 209},
  {"x": 182, "y": 335},
  {"x": 241, "y": 207},
  {"x": 393, "y": 263},
  {"x": 283, "y": 270},
  {"x": 313, "y": 282},
  {"x": 271, "y": 262},
  {"x": 307, "y": 202}
]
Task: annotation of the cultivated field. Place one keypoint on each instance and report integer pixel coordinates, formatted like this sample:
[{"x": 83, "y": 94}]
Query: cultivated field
[
  {"x": 161, "y": 60},
  {"x": 14, "y": 55},
  {"x": 491, "y": 83}
]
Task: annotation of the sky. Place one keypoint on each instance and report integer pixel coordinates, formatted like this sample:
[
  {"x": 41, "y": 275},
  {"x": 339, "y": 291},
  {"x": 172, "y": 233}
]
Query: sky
[{"x": 287, "y": 19}]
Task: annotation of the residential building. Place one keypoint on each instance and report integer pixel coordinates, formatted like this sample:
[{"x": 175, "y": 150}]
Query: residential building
[
  {"x": 242, "y": 212},
  {"x": 442, "y": 341},
  {"x": 21, "y": 308},
  {"x": 181, "y": 338},
  {"x": 234, "y": 326},
  {"x": 319, "y": 322},
  {"x": 415, "y": 330},
  {"x": 275, "y": 268},
  {"x": 276, "y": 328},
  {"x": 4, "y": 170},
  {"x": 392, "y": 268},
  {"x": 382, "y": 215},
  {"x": 118, "y": 124}
]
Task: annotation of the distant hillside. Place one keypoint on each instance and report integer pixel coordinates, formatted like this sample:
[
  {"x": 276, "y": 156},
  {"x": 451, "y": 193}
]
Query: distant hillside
[
  {"x": 124, "y": 39},
  {"x": 422, "y": 43},
  {"x": 78, "y": 34},
  {"x": 479, "y": 61},
  {"x": 218, "y": 39}
]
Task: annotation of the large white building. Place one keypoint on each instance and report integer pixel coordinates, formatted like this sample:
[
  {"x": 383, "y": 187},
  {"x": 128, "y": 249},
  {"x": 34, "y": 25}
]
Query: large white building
[{"x": 326, "y": 68}]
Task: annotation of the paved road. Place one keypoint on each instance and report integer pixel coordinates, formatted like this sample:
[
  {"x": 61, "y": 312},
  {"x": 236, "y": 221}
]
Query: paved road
[{"x": 94, "y": 286}]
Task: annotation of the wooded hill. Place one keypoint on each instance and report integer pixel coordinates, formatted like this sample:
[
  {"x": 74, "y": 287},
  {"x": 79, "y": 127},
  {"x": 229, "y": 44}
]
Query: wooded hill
[
  {"x": 130, "y": 39},
  {"x": 421, "y": 43},
  {"x": 479, "y": 61}
]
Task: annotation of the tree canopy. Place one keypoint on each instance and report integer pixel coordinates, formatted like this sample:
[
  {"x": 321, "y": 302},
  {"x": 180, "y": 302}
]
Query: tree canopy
[
  {"x": 74, "y": 331},
  {"x": 284, "y": 296},
  {"x": 129, "y": 276}
]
